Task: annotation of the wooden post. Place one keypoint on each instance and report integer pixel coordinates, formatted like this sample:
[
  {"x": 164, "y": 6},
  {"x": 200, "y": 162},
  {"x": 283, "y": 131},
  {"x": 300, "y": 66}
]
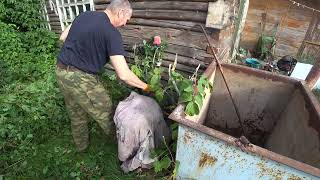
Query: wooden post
[
  {"x": 243, "y": 10},
  {"x": 314, "y": 74},
  {"x": 310, "y": 32}
]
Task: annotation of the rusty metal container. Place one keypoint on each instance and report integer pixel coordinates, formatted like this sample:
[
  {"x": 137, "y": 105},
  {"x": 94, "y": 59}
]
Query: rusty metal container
[{"x": 281, "y": 119}]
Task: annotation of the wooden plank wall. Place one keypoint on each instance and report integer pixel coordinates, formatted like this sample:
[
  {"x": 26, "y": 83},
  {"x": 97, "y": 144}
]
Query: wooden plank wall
[
  {"x": 293, "y": 24},
  {"x": 310, "y": 49},
  {"x": 174, "y": 21}
]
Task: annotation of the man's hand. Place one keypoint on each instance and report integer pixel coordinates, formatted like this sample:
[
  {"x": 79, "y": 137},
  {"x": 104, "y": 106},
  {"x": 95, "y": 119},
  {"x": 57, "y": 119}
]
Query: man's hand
[
  {"x": 124, "y": 73},
  {"x": 65, "y": 33}
]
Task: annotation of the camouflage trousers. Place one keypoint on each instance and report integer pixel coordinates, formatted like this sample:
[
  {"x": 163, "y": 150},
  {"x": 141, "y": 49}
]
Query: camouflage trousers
[{"x": 84, "y": 96}]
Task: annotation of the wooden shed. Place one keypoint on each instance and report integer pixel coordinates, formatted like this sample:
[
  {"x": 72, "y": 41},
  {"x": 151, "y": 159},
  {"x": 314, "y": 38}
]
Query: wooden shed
[{"x": 294, "y": 23}]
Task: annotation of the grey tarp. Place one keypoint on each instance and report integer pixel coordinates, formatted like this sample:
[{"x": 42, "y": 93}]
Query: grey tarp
[{"x": 140, "y": 128}]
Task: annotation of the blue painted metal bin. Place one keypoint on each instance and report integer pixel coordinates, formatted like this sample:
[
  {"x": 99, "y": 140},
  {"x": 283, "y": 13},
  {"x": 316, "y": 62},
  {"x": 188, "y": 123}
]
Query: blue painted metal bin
[{"x": 281, "y": 118}]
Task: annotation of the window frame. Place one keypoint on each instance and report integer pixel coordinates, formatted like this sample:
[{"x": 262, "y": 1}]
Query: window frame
[{"x": 66, "y": 12}]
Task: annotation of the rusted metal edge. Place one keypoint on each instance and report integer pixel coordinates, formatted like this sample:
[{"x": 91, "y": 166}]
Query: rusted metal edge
[
  {"x": 179, "y": 116},
  {"x": 261, "y": 73},
  {"x": 210, "y": 69},
  {"x": 312, "y": 105}
]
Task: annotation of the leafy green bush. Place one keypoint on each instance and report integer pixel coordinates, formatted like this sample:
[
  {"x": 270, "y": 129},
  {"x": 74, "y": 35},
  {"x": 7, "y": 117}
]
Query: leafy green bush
[
  {"x": 25, "y": 14},
  {"x": 31, "y": 107},
  {"x": 26, "y": 56},
  {"x": 147, "y": 66}
]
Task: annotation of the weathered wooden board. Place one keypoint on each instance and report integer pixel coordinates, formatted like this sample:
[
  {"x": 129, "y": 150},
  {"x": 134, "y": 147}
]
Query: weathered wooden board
[
  {"x": 108, "y": 1},
  {"x": 218, "y": 14},
  {"x": 174, "y": 36},
  {"x": 171, "y": 15},
  {"x": 186, "y": 25},
  {"x": 168, "y": 5},
  {"x": 179, "y": 15}
]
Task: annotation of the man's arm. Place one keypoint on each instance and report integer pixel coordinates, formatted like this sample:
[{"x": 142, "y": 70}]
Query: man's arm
[
  {"x": 125, "y": 74},
  {"x": 64, "y": 34}
]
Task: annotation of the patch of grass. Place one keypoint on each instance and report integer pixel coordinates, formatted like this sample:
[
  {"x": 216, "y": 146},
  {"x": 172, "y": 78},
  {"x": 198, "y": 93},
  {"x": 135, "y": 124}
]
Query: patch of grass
[
  {"x": 50, "y": 153},
  {"x": 57, "y": 158}
]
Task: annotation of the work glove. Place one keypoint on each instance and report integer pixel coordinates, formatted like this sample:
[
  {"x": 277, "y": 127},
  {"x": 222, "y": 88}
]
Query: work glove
[{"x": 148, "y": 91}]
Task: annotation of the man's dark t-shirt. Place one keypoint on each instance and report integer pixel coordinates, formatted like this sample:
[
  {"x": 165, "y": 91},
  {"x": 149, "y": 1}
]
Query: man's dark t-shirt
[{"x": 90, "y": 42}]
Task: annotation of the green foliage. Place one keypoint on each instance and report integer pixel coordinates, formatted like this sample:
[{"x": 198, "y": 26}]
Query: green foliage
[
  {"x": 164, "y": 163},
  {"x": 26, "y": 56},
  {"x": 164, "y": 155},
  {"x": 25, "y": 14},
  {"x": 266, "y": 45},
  {"x": 147, "y": 66},
  {"x": 192, "y": 93},
  {"x": 117, "y": 90},
  {"x": 31, "y": 107}
]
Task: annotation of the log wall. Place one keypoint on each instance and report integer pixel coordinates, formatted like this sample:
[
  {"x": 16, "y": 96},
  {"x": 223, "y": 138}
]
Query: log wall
[{"x": 174, "y": 21}]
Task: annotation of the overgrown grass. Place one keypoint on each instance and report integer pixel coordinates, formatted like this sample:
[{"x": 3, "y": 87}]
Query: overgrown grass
[
  {"x": 51, "y": 153},
  {"x": 57, "y": 158},
  {"x": 35, "y": 132}
]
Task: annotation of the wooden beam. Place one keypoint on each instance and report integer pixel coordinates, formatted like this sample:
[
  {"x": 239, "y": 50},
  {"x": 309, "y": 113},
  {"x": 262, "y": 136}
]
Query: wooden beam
[
  {"x": 187, "y": 25},
  {"x": 54, "y": 19},
  {"x": 171, "y": 15},
  {"x": 168, "y": 5},
  {"x": 179, "y": 15},
  {"x": 310, "y": 32},
  {"x": 56, "y": 28},
  {"x": 242, "y": 14},
  {"x": 153, "y": 1},
  {"x": 312, "y": 43},
  {"x": 52, "y": 23},
  {"x": 314, "y": 74}
]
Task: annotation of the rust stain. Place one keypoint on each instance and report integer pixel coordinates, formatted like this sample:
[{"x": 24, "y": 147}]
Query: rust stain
[
  {"x": 294, "y": 178},
  {"x": 186, "y": 138},
  {"x": 206, "y": 160},
  {"x": 276, "y": 173}
]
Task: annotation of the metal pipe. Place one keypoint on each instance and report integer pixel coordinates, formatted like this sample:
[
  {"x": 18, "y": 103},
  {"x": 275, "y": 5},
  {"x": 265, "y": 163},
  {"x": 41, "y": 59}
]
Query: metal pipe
[{"x": 224, "y": 79}]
